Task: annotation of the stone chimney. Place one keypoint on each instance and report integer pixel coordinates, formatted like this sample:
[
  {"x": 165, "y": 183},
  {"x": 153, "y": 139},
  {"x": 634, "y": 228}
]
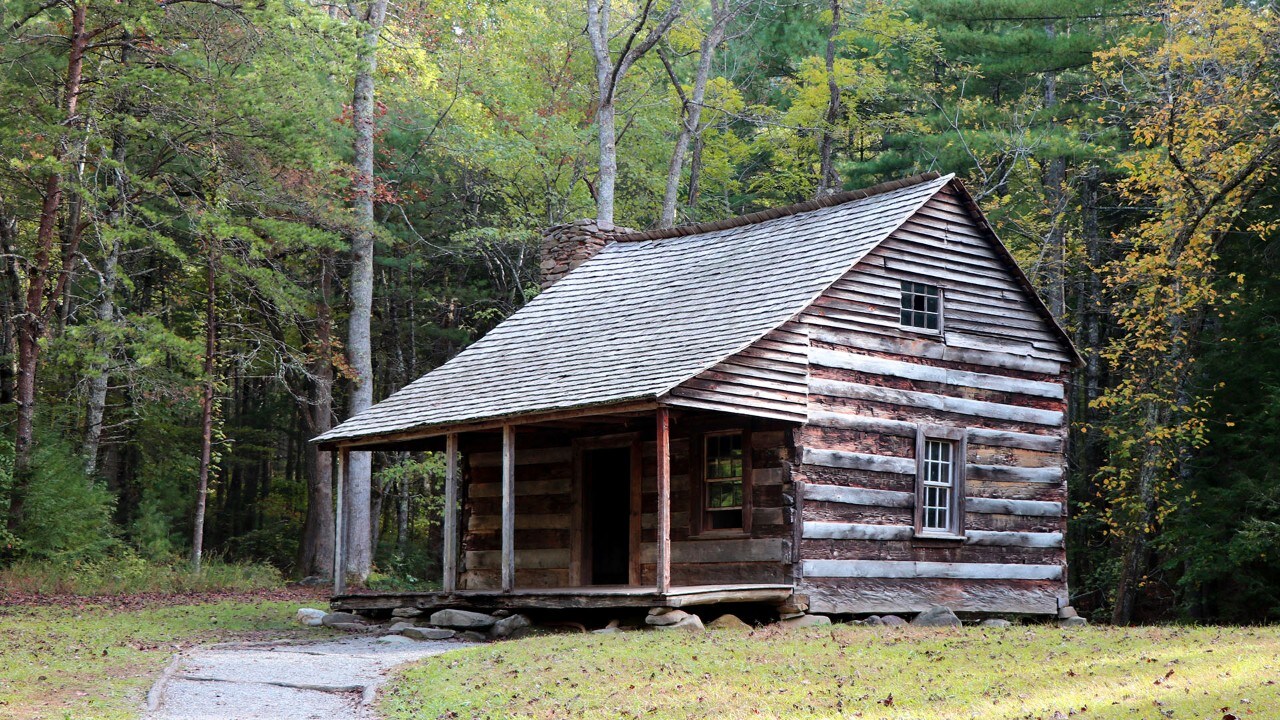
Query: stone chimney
[{"x": 565, "y": 247}]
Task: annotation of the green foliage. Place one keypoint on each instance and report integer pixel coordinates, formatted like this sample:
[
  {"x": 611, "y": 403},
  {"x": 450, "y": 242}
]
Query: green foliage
[{"x": 82, "y": 507}]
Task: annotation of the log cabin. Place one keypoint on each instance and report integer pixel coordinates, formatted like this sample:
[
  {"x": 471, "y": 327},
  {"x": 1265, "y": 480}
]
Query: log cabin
[{"x": 856, "y": 403}]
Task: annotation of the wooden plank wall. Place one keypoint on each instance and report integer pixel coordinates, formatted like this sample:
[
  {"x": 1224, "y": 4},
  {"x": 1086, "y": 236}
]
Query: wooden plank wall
[
  {"x": 544, "y": 496},
  {"x": 999, "y": 372},
  {"x": 544, "y": 487},
  {"x": 763, "y": 557},
  {"x": 768, "y": 379}
]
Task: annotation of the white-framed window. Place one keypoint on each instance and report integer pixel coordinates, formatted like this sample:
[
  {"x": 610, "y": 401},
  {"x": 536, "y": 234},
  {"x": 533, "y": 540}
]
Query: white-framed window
[
  {"x": 940, "y": 457},
  {"x": 938, "y": 467},
  {"x": 921, "y": 306}
]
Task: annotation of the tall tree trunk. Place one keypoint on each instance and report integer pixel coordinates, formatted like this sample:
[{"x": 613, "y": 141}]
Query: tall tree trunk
[
  {"x": 316, "y": 556},
  {"x": 402, "y": 517},
  {"x": 359, "y": 550},
  {"x": 722, "y": 11},
  {"x": 105, "y": 311},
  {"x": 695, "y": 173},
  {"x": 206, "y": 405},
  {"x": 1133, "y": 560},
  {"x": 607, "y": 178},
  {"x": 608, "y": 74},
  {"x": 101, "y": 373},
  {"x": 34, "y": 318},
  {"x": 12, "y": 301},
  {"x": 828, "y": 181}
]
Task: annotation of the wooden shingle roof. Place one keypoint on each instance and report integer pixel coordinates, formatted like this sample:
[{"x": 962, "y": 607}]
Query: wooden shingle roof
[{"x": 648, "y": 313}]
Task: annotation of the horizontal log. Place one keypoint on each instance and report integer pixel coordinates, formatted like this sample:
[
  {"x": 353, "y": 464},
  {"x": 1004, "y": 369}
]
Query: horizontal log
[
  {"x": 557, "y": 486},
  {"x": 529, "y": 456},
  {"x": 762, "y": 517},
  {"x": 814, "y": 510},
  {"x": 493, "y": 523},
  {"x": 901, "y": 428},
  {"x": 1014, "y": 539},
  {"x": 1007, "y": 438},
  {"x": 859, "y": 496},
  {"x": 939, "y": 403},
  {"x": 929, "y": 373},
  {"x": 826, "y": 418},
  {"x": 722, "y": 551},
  {"x": 1015, "y": 491},
  {"x": 909, "y": 569},
  {"x": 1005, "y": 473},
  {"x": 934, "y": 350},
  {"x": 1032, "y": 508},
  {"x": 679, "y": 519},
  {"x": 854, "y": 531},
  {"x": 858, "y": 461},
  {"x": 768, "y": 476},
  {"x": 530, "y": 559},
  {"x": 839, "y": 597}
]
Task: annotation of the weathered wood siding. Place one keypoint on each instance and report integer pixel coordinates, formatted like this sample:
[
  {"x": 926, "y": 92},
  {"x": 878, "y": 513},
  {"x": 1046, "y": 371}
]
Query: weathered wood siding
[
  {"x": 544, "y": 497},
  {"x": 997, "y": 370},
  {"x": 544, "y": 511},
  {"x": 763, "y": 555},
  {"x": 768, "y": 379}
]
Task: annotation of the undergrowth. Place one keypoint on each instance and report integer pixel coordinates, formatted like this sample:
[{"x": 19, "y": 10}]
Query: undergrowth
[{"x": 130, "y": 574}]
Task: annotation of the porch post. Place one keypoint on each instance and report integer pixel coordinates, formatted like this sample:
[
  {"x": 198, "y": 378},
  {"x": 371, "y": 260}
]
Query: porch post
[
  {"x": 339, "y": 531},
  {"x": 508, "y": 508},
  {"x": 450, "y": 580},
  {"x": 663, "y": 570}
]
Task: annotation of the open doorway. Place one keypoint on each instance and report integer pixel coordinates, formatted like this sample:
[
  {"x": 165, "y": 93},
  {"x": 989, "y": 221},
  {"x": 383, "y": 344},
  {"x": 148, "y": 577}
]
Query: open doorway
[{"x": 606, "y": 485}]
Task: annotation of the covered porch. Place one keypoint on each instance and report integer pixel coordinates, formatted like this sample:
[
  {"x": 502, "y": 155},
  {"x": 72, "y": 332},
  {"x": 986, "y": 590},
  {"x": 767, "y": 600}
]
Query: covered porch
[{"x": 603, "y": 508}]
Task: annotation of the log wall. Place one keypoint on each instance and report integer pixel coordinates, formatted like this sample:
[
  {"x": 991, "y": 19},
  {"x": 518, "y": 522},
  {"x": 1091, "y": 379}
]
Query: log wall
[
  {"x": 997, "y": 370},
  {"x": 545, "y": 537}
]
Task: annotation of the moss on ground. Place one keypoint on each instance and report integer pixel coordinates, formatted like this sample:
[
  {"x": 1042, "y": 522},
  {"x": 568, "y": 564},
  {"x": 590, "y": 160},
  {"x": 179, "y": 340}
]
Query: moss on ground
[
  {"x": 856, "y": 672},
  {"x": 66, "y": 658}
]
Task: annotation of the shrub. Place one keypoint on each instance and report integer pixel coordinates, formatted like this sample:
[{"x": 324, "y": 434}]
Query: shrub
[{"x": 67, "y": 517}]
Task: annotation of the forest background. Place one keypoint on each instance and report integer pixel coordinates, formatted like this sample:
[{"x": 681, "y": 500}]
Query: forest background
[{"x": 227, "y": 224}]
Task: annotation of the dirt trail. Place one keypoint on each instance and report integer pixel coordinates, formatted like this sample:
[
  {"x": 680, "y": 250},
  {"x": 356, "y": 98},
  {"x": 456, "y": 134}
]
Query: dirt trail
[{"x": 333, "y": 680}]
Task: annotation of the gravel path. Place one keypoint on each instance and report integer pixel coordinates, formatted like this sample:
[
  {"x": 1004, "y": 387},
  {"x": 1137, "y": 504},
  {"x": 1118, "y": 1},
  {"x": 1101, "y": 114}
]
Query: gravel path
[{"x": 332, "y": 680}]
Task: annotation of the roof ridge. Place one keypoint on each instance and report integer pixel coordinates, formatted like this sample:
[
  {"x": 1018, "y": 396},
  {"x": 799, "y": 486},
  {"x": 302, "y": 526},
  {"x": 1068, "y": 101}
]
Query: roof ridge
[{"x": 773, "y": 213}]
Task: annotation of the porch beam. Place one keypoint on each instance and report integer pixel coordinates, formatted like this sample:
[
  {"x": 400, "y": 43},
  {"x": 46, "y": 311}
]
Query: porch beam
[
  {"x": 387, "y": 441},
  {"x": 339, "y": 457},
  {"x": 508, "y": 508},
  {"x": 663, "y": 569},
  {"x": 450, "y": 580}
]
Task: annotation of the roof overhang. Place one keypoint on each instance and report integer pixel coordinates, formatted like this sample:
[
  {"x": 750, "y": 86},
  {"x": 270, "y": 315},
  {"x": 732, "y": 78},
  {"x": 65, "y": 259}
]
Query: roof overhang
[{"x": 423, "y": 435}]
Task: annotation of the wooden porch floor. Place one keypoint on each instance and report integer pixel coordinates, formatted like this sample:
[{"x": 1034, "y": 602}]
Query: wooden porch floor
[{"x": 596, "y": 596}]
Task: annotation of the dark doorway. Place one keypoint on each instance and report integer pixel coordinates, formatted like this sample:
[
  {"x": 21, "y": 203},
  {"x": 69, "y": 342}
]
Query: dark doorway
[{"x": 607, "y": 481}]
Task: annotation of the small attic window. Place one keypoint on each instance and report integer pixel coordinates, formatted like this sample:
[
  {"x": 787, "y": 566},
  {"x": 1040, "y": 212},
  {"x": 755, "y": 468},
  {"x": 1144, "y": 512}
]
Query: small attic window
[{"x": 921, "y": 306}]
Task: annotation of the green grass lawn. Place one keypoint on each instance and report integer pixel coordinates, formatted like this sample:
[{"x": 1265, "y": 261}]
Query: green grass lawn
[
  {"x": 69, "y": 658},
  {"x": 855, "y": 672}
]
